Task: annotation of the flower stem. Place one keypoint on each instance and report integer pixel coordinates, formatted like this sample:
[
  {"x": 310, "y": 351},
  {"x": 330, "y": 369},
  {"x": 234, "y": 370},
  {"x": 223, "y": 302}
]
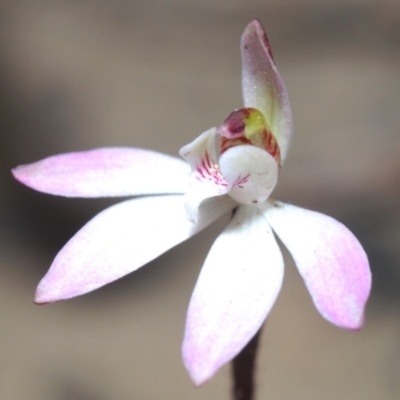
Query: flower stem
[{"x": 243, "y": 368}]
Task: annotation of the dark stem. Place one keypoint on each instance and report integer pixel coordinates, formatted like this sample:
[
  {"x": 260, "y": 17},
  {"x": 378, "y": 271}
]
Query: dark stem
[{"x": 243, "y": 368}]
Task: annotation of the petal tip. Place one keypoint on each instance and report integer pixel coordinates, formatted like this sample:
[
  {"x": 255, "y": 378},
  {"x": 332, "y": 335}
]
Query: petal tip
[
  {"x": 198, "y": 360},
  {"x": 19, "y": 173},
  {"x": 42, "y": 298},
  {"x": 349, "y": 319},
  {"x": 39, "y": 302},
  {"x": 49, "y": 291},
  {"x": 198, "y": 372},
  {"x": 198, "y": 380},
  {"x": 28, "y": 175},
  {"x": 353, "y": 325}
]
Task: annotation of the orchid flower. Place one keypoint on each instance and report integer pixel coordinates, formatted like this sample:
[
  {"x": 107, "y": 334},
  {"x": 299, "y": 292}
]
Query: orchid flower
[{"x": 230, "y": 170}]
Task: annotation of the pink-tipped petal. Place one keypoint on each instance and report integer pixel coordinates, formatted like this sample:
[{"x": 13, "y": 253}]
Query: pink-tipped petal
[
  {"x": 330, "y": 259},
  {"x": 236, "y": 289},
  {"x": 262, "y": 85},
  {"x": 118, "y": 241},
  {"x": 106, "y": 172}
]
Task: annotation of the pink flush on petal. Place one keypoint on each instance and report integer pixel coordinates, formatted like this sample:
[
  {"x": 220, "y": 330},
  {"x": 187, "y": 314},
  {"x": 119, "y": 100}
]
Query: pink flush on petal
[
  {"x": 330, "y": 259},
  {"x": 106, "y": 172}
]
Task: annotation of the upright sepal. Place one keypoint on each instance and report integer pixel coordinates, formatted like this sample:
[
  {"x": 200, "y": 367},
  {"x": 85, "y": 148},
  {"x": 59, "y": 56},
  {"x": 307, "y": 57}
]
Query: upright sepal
[{"x": 262, "y": 85}]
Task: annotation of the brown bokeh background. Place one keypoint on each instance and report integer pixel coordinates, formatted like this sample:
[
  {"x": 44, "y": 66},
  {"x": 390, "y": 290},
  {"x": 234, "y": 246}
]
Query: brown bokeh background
[{"x": 80, "y": 74}]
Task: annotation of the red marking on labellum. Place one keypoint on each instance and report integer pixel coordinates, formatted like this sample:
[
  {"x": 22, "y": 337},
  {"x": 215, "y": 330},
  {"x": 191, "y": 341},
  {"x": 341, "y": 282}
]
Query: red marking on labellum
[
  {"x": 209, "y": 171},
  {"x": 240, "y": 181},
  {"x": 208, "y": 161},
  {"x": 200, "y": 171}
]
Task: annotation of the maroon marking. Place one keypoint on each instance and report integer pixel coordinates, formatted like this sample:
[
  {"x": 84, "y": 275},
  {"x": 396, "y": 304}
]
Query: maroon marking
[
  {"x": 228, "y": 143},
  {"x": 209, "y": 163},
  {"x": 234, "y": 124},
  {"x": 241, "y": 181},
  {"x": 271, "y": 145},
  {"x": 204, "y": 165},
  {"x": 264, "y": 38},
  {"x": 200, "y": 171}
]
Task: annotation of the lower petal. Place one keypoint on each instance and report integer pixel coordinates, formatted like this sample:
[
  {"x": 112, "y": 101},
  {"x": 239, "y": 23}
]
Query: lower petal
[
  {"x": 118, "y": 241},
  {"x": 330, "y": 259},
  {"x": 236, "y": 289}
]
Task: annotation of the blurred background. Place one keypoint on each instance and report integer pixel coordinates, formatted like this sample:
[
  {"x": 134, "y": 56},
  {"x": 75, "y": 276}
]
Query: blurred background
[{"x": 81, "y": 74}]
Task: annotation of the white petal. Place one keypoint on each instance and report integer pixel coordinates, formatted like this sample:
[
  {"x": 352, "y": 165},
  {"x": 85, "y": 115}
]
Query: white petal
[
  {"x": 330, "y": 259},
  {"x": 236, "y": 289},
  {"x": 106, "y": 172},
  {"x": 118, "y": 241},
  {"x": 251, "y": 172}
]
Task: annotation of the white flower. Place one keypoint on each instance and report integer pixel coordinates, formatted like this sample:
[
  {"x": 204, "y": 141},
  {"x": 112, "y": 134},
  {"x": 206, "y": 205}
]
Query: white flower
[{"x": 234, "y": 169}]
